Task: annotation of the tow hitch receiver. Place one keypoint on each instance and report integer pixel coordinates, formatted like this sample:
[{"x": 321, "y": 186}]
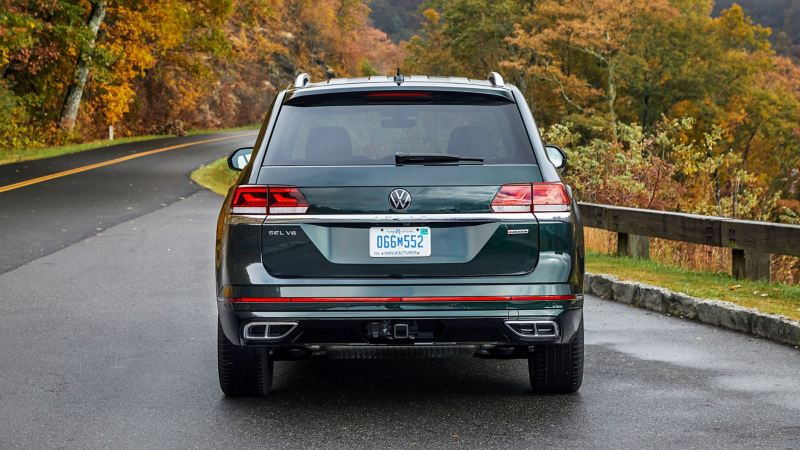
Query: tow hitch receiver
[
  {"x": 401, "y": 331},
  {"x": 390, "y": 330}
]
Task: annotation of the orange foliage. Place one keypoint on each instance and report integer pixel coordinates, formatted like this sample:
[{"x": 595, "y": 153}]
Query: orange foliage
[{"x": 161, "y": 65}]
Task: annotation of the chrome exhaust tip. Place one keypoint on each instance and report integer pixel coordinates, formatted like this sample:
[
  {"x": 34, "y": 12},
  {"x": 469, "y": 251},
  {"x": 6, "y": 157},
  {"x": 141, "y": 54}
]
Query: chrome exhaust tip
[
  {"x": 268, "y": 331},
  {"x": 534, "y": 328}
]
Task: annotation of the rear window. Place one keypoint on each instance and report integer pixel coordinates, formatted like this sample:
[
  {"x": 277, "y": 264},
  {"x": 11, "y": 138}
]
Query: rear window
[{"x": 370, "y": 129}]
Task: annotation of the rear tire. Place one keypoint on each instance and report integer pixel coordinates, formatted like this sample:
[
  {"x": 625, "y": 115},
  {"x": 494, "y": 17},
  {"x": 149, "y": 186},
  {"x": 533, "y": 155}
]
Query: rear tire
[
  {"x": 243, "y": 371},
  {"x": 558, "y": 369}
]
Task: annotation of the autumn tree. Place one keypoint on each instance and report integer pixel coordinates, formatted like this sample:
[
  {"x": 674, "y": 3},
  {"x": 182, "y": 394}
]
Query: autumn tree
[
  {"x": 160, "y": 66},
  {"x": 582, "y": 46},
  {"x": 464, "y": 37}
]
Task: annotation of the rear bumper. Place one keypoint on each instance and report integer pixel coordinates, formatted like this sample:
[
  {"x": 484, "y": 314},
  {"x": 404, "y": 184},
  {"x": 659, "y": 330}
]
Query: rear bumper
[{"x": 347, "y": 333}]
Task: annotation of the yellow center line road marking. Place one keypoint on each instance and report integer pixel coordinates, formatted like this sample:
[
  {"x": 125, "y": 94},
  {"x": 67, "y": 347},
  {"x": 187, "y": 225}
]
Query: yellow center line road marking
[{"x": 52, "y": 176}]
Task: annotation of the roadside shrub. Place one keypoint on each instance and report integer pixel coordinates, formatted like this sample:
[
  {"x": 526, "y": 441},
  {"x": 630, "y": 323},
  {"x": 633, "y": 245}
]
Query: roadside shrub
[{"x": 14, "y": 129}]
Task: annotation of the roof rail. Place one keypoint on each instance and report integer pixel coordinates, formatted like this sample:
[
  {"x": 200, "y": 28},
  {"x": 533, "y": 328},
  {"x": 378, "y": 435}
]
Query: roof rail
[
  {"x": 496, "y": 79},
  {"x": 302, "y": 80}
]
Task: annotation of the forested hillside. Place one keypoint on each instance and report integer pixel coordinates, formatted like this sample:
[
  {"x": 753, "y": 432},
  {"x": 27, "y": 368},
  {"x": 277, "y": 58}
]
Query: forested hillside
[
  {"x": 782, "y": 16},
  {"x": 71, "y": 68},
  {"x": 400, "y": 19}
]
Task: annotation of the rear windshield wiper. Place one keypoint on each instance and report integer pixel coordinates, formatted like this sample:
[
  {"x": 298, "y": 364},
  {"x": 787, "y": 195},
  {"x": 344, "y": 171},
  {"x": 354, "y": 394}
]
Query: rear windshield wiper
[{"x": 430, "y": 158}]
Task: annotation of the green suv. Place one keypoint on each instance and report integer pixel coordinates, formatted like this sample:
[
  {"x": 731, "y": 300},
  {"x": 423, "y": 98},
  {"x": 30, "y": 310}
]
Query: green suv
[{"x": 399, "y": 217}]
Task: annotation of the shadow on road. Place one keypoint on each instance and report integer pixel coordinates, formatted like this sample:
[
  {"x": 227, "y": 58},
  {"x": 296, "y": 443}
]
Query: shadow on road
[
  {"x": 401, "y": 379},
  {"x": 463, "y": 396}
]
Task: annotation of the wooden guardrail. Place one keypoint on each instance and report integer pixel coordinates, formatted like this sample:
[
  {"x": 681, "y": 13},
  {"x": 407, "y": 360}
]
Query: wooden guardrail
[{"x": 751, "y": 242}]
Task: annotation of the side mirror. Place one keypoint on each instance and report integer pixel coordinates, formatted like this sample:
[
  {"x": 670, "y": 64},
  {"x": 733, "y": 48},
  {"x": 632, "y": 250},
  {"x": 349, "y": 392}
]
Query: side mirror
[
  {"x": 556, "y": 156},
  {"x": 239, "y": 158}
]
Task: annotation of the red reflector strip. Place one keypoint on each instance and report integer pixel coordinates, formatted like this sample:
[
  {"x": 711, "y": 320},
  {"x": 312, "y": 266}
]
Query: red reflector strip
[
  {"x": 346, "y": 299},
  {"x": 455, "y": 299},
  {"x": 259, "y": 299},
  {"x": 540, "y": 298},
  {"x": 508, "y": 298}
]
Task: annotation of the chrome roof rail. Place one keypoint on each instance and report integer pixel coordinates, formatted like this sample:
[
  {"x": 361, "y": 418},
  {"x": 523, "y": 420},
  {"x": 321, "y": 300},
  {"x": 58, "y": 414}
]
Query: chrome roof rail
[
  {"x": 302, "y": 80},
  {"x": 496, "y": 79}
]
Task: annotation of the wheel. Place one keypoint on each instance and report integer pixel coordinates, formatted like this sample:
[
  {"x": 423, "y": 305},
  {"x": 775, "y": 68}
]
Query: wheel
[
  {"x": 243, "y": 371},
  {"x": 558, "y": 369}
]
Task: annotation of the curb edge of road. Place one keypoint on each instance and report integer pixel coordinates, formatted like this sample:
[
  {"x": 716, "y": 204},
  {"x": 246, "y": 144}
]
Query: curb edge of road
[{"x": 712, "y": 312}]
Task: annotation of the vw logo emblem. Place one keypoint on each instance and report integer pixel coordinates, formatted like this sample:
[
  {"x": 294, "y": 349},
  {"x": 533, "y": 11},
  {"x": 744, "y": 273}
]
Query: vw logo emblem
[{"x": 399, "y": 200}]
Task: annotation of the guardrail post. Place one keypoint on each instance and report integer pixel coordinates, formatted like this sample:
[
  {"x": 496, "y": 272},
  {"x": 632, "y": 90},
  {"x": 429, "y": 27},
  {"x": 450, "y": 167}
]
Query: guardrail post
[
  {"x": 750, "y": 265},
  {"x": 633, "y": 245}
]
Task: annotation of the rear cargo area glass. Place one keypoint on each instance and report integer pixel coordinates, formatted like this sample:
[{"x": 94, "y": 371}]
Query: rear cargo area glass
[{"x": 360, "y": 132}]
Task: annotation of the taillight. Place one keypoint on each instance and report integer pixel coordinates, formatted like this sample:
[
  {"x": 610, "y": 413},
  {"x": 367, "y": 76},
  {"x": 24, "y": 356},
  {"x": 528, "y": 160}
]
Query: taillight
[
  {"x": 550, "y": 197},
  {"x": 286, "y": 200},
  {"x": 513, "y": 198},
  {"x": 536, "y": 197},
  {"x": 249, "y": 200}
]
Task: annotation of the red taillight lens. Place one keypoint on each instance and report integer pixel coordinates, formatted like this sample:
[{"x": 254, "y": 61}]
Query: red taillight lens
[
  {"x": 536, "y": 197},
  {"x": 550, "y": 197},
  {"x": 249, "y": 199},
  {"x": 286, "y": 200},
  {"x": 513, "y": 198}
]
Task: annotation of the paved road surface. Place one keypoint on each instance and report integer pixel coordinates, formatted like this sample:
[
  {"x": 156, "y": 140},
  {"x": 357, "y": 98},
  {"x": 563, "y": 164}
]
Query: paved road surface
[
  {"x": 40, "y": 219},
  {"x": 110, "y": 342}
]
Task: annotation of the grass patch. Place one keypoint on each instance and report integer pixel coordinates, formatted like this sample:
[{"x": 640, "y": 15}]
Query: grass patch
[
  {"x": 30, "y": 154},
  {"x": 8, "y": 156},
  {"x": 217, "y": 176},
  {"x": 254, "y": 126},
  {"x": 774, "y": 298}
]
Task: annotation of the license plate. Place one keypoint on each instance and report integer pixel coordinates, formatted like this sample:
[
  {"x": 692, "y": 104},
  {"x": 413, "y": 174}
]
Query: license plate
[{"x": 399, "y": 242}]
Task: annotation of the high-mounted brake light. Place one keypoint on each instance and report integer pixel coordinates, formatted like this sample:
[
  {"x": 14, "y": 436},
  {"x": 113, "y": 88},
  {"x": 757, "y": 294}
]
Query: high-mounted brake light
[
  {"x": 249, "y": 199},
  {"x": 536, "y": 197},
  {"x": 398, "y": 95},
  {"x": 286, "y": 200}
]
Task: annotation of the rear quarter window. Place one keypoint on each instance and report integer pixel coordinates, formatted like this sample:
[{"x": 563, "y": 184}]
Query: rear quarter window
[{"x": 360, "y": 131}]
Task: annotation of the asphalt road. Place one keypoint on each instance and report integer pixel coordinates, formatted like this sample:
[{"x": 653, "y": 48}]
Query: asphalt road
[
  {"x": 108, "y": 341},
  {"x": 39, "y": 219}
]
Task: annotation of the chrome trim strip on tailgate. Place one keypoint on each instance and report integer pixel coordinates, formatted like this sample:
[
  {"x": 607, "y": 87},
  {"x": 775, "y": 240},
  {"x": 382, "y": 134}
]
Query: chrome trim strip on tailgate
[
  {"x": 245, "y": 219},
  {"x": 398, "y": 218},
  {"x": 554, "y": 216}
]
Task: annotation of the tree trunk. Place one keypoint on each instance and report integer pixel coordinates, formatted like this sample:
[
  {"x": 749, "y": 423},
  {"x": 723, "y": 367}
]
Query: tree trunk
[
  {"x": 612, "y": 101},
  {"x": 612, "y": 88},
  {"x": 72, "y": 101},
  {"x": 645, "y": 107}
]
